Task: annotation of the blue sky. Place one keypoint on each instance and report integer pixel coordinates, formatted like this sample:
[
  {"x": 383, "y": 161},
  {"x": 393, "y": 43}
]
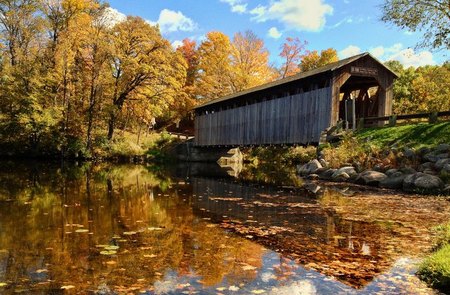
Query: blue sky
[{"x": 349, "y": 26}]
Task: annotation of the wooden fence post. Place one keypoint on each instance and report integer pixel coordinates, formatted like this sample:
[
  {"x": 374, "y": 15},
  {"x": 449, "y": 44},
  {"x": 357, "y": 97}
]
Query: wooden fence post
[
  {"x": 392, "y": 120},
  {"x": 433, "y": 118},
  {"x": 360, "y": 124}
]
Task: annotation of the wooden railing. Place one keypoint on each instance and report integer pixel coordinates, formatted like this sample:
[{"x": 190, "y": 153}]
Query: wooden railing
[{"x": 432, "y": 118}]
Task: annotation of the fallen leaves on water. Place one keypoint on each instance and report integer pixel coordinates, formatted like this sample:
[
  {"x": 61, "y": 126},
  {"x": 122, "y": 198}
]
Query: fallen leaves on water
[
  {"x": 129, "y": 233},
  {"x": 225, "y": 199},
  {"x": 248, "y": 267},
  {"x": 150, "y": 255},
  {"x": 82, "y": 230},
  {"x": 3, "y": 284},
  {"x": 108, "y": 252},
  {"x": 67, "y": 287},
  {"x": 258, "y": 291},
  {"x": 41, "y": 270}
]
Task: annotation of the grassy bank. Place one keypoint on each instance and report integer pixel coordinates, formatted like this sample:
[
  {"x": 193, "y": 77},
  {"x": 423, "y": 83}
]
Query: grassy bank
[
  {"x": 413, "y": 135},
  {"x": 435, "y": 269},
  {"x": 383, "y": 147}
]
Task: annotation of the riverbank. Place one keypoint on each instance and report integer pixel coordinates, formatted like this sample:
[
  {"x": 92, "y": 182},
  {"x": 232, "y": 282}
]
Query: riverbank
[{"x": 411, "y": 158}]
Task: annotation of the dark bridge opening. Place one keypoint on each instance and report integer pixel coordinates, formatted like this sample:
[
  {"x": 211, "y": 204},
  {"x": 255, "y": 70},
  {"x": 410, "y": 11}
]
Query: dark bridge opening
[{"x": 359, "y": 98}]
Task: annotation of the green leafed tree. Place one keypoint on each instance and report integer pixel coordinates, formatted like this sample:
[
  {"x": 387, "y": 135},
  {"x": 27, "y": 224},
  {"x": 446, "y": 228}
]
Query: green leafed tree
[{"x": 432, "y": 17}]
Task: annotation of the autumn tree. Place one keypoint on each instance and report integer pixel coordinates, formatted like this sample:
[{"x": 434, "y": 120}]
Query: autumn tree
[
  {"x": 420, "y": 89},
  {"x": 313, "y": 59},
  {"x": 215, "y": 69},
  {"x": 432, "y": 17},
  {"x": 19, "y": 26},
  {"x": 403, "y": 102},
  {"x": 250, "y": 61},
  {"x": 189, "y": 52},
  {"x": 144, "y": 67},
  {"x": 291, "y": 53},
  {"x": 429, "y": 92}
]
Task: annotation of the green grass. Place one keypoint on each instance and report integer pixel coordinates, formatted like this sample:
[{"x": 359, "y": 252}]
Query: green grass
[
  {"x": 435, "y": 269},
  {"x": 414, "y": 135},
  {"x": 443, "y": 235}
]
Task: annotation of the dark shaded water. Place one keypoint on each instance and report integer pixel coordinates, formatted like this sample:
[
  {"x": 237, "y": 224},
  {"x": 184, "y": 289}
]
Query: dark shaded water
[{"x": 133, "y": 229}]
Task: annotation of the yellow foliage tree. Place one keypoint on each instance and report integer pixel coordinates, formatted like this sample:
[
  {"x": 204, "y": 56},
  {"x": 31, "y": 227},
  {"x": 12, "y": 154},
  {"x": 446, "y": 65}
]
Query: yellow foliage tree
[
  {"x": 250, "y": 62},
  {"x": 314, "y": 60}
]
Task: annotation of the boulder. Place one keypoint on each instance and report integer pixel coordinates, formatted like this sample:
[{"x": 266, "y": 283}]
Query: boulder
[
  {"x": 424, "y": 166},
  {"x": 370, "y": 177},
  {"x": 326, "y": 175},
  {"x": 393, "y": 182},
  {"x": 312, "y": 187},
  {"x": 340, "y": 176},
  {"x": 350, "y": 170},
  {"x": 310, "y": 168},
  {"x": 397, "y": 174},
  {"x": 429, "y": 171},
  {"x": 447, "y": 190},
  {"x": 441, "y": 163},
  {"x": 424, "y": 150},
  {"x": 313, "y": 176},
  {"x": 324, "y": 163},
  {"x": 446, "y": 169},
  {"x": 443, "y": 148},
  {"x": 409, "y": 153},
  {"x": 391, "y": 172},
  {"x": 408, "y": 170},
  {"x": 423, "y": 183},
  {"x": 433, "y": 157}
]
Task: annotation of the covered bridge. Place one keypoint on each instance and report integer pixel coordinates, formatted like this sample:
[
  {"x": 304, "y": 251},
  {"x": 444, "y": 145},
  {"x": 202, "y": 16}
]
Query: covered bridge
[{"x": 296, "y": 110}]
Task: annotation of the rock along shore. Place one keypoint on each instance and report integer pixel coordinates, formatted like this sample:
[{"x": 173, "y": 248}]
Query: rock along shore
[{"x": 427, "y": 172}]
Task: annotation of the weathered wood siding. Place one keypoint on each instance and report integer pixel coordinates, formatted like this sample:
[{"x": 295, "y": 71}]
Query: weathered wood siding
[{"x": 293, "y": 119}]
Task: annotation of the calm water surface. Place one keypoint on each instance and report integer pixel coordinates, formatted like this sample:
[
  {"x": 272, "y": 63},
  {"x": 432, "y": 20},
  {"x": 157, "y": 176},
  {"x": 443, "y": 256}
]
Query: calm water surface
[{"x": 125, "y": 229}]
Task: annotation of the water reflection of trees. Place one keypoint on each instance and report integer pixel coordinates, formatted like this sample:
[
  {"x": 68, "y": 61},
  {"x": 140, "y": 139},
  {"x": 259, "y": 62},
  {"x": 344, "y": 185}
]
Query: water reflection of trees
[{"x": 53, "y": 221}]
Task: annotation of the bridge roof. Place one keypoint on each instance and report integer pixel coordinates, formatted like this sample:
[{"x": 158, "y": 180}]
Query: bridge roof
[{"x": 327, "y": 68}]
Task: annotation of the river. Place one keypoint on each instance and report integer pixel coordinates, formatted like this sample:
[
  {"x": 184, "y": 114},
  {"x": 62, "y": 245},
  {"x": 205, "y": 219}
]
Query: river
[{"x": 134, "y": 229}]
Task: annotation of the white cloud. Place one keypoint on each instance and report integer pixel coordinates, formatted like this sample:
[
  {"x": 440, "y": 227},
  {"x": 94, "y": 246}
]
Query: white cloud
[
  {"x": 411, "y": 59},
  {"x": 241, "y": 8},
  {"x": 349, "y": 51},
  {"x": 176, "y": 44},
  {"x": 378, "y": 52},
  {"x": 407, "y": 56},
  {"x": 381, "y": 51},
  {"x": 112, "y": 16},
  {"x": 301, "y": 15},
  {"x": 236, "y": 5},
  {"x": 172, "y": 21},
  {"x": 274, "y": 33}
]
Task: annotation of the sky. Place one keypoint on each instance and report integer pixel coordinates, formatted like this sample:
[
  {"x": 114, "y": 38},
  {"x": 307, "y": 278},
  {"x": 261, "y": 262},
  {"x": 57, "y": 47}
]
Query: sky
[{"x": 349, "y": 26}]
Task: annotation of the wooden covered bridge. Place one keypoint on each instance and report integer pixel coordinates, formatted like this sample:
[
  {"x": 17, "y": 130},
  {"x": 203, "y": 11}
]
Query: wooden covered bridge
[{"x": 297, "y": 109}]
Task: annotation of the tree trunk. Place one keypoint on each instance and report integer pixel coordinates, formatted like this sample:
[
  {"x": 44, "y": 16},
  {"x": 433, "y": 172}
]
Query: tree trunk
[
  {"x": 139, "y": 134},
  {"x": 111, "y": 125}
]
